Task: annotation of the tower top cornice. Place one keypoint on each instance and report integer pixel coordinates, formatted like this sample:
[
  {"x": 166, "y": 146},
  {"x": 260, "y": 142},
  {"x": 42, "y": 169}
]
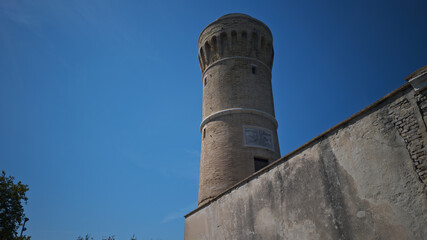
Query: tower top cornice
[
  {"x": 235, "y": 35},
  {"x": 231, "y": 16}
]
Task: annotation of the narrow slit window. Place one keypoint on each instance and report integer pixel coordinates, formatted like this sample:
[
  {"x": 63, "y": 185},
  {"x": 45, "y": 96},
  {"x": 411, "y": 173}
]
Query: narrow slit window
[
  {"x": 205, "y": 81},
  {"x": 204, "y": 133},
  {"x": 260, "y": 163},
  {"x": 253, "y": 70}
]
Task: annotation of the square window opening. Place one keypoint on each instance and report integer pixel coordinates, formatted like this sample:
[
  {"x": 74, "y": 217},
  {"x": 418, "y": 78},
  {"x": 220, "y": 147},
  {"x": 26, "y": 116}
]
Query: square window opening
[
  {"x": 253, "y": 70},
  {"x": 260, "y": 163}
]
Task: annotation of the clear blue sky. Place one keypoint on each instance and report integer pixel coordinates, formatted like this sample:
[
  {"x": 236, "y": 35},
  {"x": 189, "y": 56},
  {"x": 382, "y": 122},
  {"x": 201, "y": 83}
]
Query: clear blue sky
[{"x": 100, "y": 101}]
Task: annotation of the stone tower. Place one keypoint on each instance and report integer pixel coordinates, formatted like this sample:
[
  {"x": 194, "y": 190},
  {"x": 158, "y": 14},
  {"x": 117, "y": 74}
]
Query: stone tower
[{"x": 239, "y": 129}]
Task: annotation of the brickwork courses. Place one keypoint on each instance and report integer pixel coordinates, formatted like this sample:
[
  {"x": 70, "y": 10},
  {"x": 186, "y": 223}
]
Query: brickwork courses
[{"x": 236, "y": 57}]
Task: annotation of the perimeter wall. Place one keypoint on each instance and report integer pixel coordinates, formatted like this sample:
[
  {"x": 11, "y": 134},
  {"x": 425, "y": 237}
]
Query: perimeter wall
[{"x": 362, "y": 179}]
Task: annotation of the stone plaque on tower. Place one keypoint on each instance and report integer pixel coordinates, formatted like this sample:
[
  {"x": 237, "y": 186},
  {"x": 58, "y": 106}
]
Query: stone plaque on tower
[{"x": 258, "y": 137}]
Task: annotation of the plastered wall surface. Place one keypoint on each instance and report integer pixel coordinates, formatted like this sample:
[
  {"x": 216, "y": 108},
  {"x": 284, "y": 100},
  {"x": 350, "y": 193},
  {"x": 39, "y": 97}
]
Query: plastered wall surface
[{"x": 364, "y": 179}]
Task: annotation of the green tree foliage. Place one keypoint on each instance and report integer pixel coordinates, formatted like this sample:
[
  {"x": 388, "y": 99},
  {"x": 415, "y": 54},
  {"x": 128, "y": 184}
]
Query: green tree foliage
[
  {"x": 87, "y": 237},
  {"x": 12, "y": 217}
]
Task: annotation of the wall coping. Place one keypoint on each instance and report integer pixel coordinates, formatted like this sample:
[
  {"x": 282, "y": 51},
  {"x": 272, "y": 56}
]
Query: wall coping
[
  {"x": 418, "y": 79},
  {"x": 303, "y": 147}
]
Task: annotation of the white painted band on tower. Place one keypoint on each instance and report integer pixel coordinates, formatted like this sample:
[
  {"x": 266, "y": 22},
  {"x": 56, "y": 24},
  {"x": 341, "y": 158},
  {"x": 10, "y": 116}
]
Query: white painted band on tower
[
  {"x": 236, "y": 57},
  {"x": 238, "y": 110}
]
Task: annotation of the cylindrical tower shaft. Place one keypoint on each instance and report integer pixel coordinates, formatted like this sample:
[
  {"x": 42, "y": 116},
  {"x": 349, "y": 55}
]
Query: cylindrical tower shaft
[{"x": 239, "y": 129}]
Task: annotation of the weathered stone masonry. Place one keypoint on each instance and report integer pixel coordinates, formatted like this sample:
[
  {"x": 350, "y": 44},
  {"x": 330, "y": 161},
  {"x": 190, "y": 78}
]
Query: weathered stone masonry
[
  {"x": 415, "y": 131},
  {"x": 403, "y": 116}
]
